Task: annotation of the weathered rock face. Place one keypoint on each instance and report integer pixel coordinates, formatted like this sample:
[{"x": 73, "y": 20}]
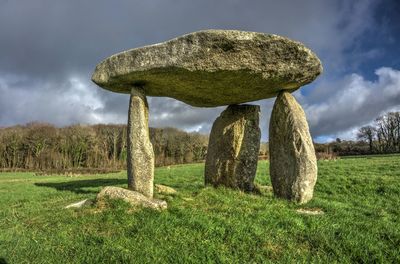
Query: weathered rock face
[
  {"x": 293, "y": 165},
  {"x": 233, "y": 148},
  {"x": 134, "y": 198},
  {"x": 140, "y": 155},
  {"x": 212, "y": 68}
]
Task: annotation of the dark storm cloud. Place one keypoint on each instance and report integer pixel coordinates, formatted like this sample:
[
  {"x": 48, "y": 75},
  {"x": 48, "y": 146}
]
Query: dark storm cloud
[
  {"x": 49, "y": 48},
  {"x": 51, "y": 38}
]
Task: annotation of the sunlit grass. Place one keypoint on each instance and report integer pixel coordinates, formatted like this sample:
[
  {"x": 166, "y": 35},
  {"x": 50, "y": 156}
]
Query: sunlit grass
[{"x": 360, "y": 198}]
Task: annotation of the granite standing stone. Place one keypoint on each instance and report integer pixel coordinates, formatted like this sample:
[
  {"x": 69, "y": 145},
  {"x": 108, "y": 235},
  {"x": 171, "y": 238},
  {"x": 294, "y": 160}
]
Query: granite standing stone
[
  {"x": 233, "y": 148},
  {"x": 293, "y": 165},
  {"x": 140, "y": 160}
]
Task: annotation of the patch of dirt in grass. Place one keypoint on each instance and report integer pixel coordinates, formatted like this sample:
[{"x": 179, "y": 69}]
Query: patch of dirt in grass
[
  {"x": 310, "y": 211},
  {"x": 275, "y": 250}
]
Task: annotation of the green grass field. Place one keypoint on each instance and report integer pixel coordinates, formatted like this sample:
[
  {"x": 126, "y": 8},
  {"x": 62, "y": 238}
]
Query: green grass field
[{"x": 360, "y": 198}]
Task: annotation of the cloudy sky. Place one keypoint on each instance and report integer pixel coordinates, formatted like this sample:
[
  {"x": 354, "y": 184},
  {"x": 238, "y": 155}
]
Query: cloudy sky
[{"x": 49, "y": 48}]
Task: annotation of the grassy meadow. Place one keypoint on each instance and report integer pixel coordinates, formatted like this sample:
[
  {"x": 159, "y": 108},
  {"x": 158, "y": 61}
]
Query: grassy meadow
[{"x": 360, "y": 198}]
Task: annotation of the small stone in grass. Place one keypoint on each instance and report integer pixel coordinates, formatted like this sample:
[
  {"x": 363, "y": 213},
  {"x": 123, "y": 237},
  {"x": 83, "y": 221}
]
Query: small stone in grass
[
  {"x": 134, "y": 198},
  {"x": 310, "y": 211},
  {"x": 164, "y": 189},
  {"x": 80, "y": 204}
]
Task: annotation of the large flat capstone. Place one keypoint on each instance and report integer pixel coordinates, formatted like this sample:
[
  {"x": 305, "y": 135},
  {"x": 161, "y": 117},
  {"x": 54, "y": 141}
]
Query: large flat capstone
[{"x": 212, "y": 68}]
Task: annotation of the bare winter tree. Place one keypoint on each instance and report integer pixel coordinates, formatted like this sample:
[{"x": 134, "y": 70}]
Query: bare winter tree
[
  {"x": 367, "y": 133},
  {"x": 388, "y": 132}
]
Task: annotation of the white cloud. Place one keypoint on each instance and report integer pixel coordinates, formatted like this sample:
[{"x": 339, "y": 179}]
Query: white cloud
[
  {"x": 72, "y": 101},
  {"x": 351, "y": 102},
  {"x": 333, "y": 110}
]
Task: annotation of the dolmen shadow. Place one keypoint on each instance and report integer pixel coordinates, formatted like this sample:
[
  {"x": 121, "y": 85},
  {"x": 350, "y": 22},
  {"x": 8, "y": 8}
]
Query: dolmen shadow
[{"x": 80, "y": 186}]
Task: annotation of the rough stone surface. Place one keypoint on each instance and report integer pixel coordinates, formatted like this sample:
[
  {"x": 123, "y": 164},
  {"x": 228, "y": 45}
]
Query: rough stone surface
[
  {"x": 212, "y": 68},
  {"x": 134, "y": 198},
  {"x": 165, "y": 189},
  {"x": 233, "y": 148},
  {"x": 293, "y": 165},
  {"x": 140, "y": 155}
]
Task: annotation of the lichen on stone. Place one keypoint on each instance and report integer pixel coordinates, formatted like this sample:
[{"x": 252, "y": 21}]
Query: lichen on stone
[{"x": 212, "y": 68}]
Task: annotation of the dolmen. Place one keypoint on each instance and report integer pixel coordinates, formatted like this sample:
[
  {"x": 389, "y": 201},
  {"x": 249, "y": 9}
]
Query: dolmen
[{"x": 213, "y": 68}]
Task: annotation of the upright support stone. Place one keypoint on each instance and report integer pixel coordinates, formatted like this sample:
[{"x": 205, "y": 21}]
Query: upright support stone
[
  {"x": 293, "y": 165},
  {"x": 233, "y": 148},
  {"x": 140, "y": 158}
]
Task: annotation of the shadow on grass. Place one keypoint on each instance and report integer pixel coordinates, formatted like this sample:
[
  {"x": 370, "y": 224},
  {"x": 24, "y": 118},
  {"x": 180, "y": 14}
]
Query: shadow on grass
[{"x": 80, "y": 186}]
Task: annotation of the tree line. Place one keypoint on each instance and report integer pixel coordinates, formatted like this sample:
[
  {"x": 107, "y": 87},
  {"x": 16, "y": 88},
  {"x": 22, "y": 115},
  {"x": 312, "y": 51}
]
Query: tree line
[
  {"x": 382, "y": 136},
  {"x": 38, "y": 146}
]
